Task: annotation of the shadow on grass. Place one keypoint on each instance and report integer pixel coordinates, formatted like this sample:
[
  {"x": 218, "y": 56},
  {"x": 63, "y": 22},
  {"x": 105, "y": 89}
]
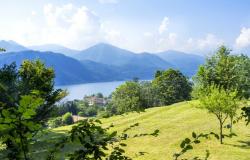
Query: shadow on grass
[
  {"x": 41, "y": 144},
  {"x": 242, "y": 144}
]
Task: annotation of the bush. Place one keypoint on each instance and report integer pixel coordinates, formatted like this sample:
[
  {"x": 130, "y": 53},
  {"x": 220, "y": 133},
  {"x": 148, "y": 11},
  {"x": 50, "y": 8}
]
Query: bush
[
  {"x": 55, "y": 122},
  {"x": 104, "y": 114},
  {"x": 82, "y": 114},
  {"x": 67, "y": 118}
]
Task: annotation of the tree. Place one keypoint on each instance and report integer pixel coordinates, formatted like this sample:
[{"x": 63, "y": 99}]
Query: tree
[
  {"x": 220, "y": 103},
  {"x": 127, "y": 98},
  {"x": 67, "y": 119},
  {"x": 171, "y": 86},
  {"x": 34, "y": 75},
  {"x": 2, "y": 50},
  {"x": 27, "y": 97},
  {"x": 147, "y": 94},
  {"x": 99, "y": 95},
  {"x": 230, "y": 72},
  {"x": 17, "y": 125}
]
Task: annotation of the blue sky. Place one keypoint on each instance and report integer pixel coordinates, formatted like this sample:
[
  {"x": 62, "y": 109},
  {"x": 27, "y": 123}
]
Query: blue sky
[{"x": 138, "y": 25}]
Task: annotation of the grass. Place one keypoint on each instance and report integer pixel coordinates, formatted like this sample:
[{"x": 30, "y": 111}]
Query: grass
[{"x": 175, "y": 123}]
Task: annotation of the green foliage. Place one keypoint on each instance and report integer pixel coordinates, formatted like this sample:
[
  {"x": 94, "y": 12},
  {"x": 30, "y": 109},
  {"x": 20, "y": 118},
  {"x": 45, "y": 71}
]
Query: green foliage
[
  {"x": 2, "y": 50},
  {"x": 127, "y": 97},
  {"x": 67, "y": 118},
  {"x": 81, "y": 114},
  {"x": 230, "y": 72},
  {"x": 147, "y": 94},
  {"x": 246, "y": 114},
  {"x": 221, "y": 103},
  {"x": 171, "y": 86},
  {"x": 96, "y": 142},
  {"x": 17, "y": 126},
  {"x": 55, "y": 122},
  {"x": 27, "y": 97},
  {"x": 187, "y": 145},
  {"x": 69, "y": 106}
]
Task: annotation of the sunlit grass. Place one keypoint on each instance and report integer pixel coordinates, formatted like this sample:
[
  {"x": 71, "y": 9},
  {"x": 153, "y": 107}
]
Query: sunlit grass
[{"x": 175, "y": 123}]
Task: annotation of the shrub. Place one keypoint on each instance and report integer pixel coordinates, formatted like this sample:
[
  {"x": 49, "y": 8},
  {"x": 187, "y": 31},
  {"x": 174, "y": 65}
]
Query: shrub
[
  {"x": 55, "y": 122},
  {"x": 82, "y": 114},
  {"x": 67, "y": 118}
]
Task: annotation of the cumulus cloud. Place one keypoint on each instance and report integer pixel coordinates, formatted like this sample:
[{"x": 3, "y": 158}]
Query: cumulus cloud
[
  {"x": 75, "y": 27},
  {"x": 207, "y": 43},
  {"x": 164, "y": 25},
  {"x": 243, "y": 40}
]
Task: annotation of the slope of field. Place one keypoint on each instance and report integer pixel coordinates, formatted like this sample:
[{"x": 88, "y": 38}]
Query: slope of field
[{"x": 175, "y": 123}]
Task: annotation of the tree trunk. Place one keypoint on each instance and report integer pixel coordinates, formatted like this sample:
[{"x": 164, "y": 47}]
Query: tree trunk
[
  {"x": 221, "y": 134},
  {"x": 231, "y": 125}
]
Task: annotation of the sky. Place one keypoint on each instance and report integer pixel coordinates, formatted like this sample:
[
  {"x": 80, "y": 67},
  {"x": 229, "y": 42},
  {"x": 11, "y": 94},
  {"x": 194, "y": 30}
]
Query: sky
[{"x": 196, "y": 26}]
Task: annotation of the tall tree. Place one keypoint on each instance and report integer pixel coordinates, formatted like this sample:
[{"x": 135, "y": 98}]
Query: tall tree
[
  {"x": 171, "y": 86},
  {"x": 230, "y": 72},
  {"x": 127, "y": 97},
  {"x": 36, "y": 82},
  {"x": 220, "y": 103}
]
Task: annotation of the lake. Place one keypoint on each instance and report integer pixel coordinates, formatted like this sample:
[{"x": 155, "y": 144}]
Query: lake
[{"x": 78, "y": 91}]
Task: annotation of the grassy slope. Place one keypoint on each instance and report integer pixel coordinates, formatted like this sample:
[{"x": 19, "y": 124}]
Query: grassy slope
[{"x": 175, "y": 123}]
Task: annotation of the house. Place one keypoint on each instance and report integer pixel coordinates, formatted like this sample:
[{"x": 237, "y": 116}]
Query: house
[{"x": 93, "y": 100}]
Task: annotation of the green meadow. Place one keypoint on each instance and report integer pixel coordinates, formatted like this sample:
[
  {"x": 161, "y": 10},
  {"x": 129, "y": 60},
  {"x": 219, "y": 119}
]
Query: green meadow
[{"x": 175, "y": 122}]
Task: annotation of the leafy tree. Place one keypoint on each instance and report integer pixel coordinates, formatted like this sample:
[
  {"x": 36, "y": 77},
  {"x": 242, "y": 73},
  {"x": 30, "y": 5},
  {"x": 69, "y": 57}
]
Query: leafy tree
[
  {"x": 171, "y": 86},
  {"x": 17, "y": 125},
  {"x": 246, "y": 114},
  {"x": 69, "y": 106},
  {"x": 32, "y": 79},
  {"x": 67, "y": 118},
  {"x": 2, "y": 50},
  {"x": 35, "y": 76},
  {"x": 147, "y": 94},
  {"x": 127, "y": 97},
  {"x": 99, "y": 95},
  {"x": 220, "y": 103},
  {"x": 230, "y": 72},
  {"x": 55, "y": 122}
]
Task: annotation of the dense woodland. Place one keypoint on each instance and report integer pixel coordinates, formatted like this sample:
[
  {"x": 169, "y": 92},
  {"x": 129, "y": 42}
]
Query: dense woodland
[{"x": 30, "y": 106}]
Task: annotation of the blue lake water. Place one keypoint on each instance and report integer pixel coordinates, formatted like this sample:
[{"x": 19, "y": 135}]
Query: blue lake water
[{"x": 78, "y": 91}]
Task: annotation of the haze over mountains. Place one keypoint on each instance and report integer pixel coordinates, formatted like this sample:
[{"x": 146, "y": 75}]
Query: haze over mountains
[{"x": 99, "y": 63}]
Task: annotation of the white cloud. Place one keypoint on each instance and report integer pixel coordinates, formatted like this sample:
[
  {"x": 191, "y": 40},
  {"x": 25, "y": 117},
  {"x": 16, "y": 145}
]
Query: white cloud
[
  {"x": 33, "y": 13},
  {"x": 108, "y": 1},
  {"x": 75, "y": 27},
  {"x": 164, "y": 25},
  {"x": 243, "y": 40},
  {"x": 167, "y": 42}
]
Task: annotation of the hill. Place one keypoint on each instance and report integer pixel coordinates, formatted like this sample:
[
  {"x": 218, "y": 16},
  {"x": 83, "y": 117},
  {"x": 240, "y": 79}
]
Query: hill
[
  {"x": 68, "y": 70},
  {"x": 185, "y": 62},
  {"x": 55, "y": 48},
  {"x": 11, "y": 46},
  {"x": 106, "y": 54},
  {"x": 175, "y": 122},
  {"x": 136, "y": 64}
]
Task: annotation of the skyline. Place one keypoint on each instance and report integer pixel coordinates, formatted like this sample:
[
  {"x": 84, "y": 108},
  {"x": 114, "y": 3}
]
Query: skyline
[{"x": 139, "y": 26}]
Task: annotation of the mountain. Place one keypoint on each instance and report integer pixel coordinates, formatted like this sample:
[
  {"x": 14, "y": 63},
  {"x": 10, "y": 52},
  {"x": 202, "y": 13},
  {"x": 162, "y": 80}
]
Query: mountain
[
  {"x": 106, "y": 54},
  {"x": 126, "y": 63},
  {"x": 185, "y": 62},
  {"x": 11, "y": 46},
  {"x": 144, "y": 66},
  {"x": 107, "y": 72},
  {"x": 102, "y": 62},
  {"x": 55, "y": 48},
  {"x": 68, "y": 70}
]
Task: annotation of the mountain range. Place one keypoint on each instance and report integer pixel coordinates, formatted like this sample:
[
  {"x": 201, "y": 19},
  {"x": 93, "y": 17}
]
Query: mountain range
[{"x": 99, "y": 63}]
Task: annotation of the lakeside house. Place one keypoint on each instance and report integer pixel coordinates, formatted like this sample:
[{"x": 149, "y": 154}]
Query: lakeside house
[{"x": 94, "y": 100}]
